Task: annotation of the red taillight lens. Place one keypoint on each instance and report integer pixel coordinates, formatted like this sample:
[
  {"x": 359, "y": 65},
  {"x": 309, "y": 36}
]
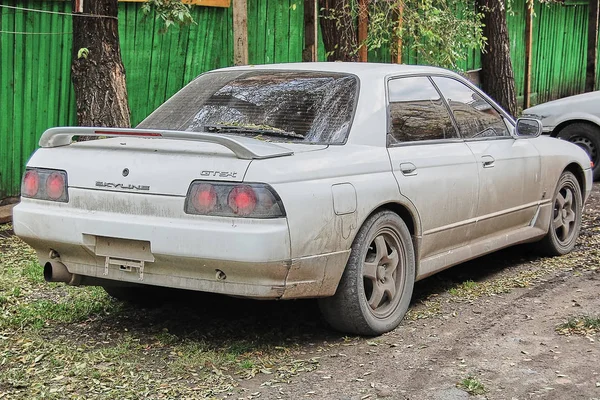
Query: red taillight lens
[
  {"x": 204, "y": 198},
  {"x": 31, "y": 184},
  {"x": 242, "y": 200},
  {"x": 55, "y": 185}
]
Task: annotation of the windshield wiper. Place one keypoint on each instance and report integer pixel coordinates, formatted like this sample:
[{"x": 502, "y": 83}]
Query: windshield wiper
[{"x": 267, "y": 131}]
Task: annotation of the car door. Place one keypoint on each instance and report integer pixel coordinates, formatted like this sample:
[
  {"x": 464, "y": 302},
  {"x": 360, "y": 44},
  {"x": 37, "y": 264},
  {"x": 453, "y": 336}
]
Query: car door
[
  {"x": 509, "y": 168},
  {"x": 434, "y": 168}
]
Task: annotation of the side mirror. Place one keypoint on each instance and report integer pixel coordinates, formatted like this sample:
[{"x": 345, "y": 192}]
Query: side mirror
[{"x": 529, "y": 127}]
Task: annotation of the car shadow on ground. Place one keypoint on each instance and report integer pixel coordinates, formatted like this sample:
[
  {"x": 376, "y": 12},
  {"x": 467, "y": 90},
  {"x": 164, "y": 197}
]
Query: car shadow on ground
[{"x": 222, "y": 320}]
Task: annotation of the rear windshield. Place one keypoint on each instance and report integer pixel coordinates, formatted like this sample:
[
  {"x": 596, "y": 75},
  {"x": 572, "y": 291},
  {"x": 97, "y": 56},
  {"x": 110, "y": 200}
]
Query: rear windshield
[{"x": 307, "y": 107}]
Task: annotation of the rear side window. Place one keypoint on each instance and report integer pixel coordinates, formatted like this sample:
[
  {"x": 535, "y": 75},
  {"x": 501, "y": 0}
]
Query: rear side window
[
  {"x": 417, "y": 112},
  {"x": 474, "y": 116},
  {"x": 303, "y": 106}
]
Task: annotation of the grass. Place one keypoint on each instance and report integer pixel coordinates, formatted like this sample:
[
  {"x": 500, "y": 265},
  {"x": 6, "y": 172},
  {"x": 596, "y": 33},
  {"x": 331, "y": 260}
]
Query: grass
[
  {"x": 582, "y": 325},
  {"x": 472, "y": 386},
  {"x": 61, "y": 342}
]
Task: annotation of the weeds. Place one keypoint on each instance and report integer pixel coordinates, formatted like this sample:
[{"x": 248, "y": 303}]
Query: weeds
[
  {"x": 472, "y": 386},
  {"x": 583, "y": 325},
  {"x": 58, "y": 341}
]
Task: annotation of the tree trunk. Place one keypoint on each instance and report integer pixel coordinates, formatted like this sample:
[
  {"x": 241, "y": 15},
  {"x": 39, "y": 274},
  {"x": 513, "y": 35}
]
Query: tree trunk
[
  {"x": 497, "y": 78},
  {"x": 339, "y": 30},
  {"x": 97, "y": 69}
]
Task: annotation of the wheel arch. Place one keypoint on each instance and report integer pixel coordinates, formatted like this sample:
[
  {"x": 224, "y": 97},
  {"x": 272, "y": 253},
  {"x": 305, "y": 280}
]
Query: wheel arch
[
  {"x": 576, "y": 170},
  {"x": 410, "y": 216},
  {"x": 403, "y": 212},
  {"x": 568, "y": 122}
]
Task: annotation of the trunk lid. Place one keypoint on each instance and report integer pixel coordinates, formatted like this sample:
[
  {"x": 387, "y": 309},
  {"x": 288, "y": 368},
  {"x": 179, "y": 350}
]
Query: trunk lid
[{"x": 152, "y": 166}]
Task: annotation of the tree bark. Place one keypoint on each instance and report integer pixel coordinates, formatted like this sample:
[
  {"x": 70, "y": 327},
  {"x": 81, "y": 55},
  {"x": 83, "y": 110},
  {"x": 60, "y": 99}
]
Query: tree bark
[
  {"x": 497, "y": 78},
  {"x": 592, "y": 49},
  {"x": 98, "y": 74},
  {"x": 339, "y": 30}
]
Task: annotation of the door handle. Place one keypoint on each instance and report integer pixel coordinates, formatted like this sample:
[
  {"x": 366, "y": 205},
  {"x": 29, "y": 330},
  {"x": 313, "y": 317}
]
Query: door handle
[
  {"x": 487, "y": 161},
  {"x": 408, "y": 168}
]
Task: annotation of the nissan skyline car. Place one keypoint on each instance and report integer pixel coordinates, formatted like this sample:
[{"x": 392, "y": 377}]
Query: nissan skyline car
[{"x": 345, "y": 182}]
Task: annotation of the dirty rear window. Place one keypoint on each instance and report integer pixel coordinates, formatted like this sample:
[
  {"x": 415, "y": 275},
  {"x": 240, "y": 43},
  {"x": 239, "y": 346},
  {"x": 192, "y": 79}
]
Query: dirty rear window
[{"x": 298, "y": 106}]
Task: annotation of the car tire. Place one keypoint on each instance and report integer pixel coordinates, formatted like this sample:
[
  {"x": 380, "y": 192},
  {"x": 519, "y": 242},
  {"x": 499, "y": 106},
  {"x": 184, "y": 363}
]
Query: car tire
[
  {"x": 565, "y": 220},
  {"x": 376, "y": 287},
  {"x": 587, "y": 137},
  {"x": 138, "y": 295}
]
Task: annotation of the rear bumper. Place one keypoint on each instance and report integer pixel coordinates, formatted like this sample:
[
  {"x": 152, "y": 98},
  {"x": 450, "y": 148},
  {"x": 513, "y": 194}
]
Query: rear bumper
[{"x": 233, "y": 256}]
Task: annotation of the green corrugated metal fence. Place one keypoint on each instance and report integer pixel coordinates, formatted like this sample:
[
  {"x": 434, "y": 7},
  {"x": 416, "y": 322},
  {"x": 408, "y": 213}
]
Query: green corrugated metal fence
[
  {"x": 558, "y": 52},
  {"x": 275, "y": 31},
  {"x": 35, "y": 88},
  {"x": 36, "y": 92},
  {"x": 158, "y": 65}
]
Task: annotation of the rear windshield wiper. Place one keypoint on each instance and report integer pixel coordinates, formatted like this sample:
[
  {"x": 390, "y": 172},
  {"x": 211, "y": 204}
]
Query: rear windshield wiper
[{"x": 252, "y": 129}]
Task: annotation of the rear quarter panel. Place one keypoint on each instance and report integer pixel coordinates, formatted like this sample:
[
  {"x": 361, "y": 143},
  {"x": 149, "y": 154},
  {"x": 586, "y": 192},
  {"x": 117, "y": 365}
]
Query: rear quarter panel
[{"x": 304, "y": 183}]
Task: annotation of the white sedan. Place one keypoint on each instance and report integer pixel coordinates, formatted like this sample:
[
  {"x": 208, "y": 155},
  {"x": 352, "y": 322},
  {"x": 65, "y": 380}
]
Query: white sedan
[
  {"x": 575, "y": 119},
  {"x": 339, "y": 181}
]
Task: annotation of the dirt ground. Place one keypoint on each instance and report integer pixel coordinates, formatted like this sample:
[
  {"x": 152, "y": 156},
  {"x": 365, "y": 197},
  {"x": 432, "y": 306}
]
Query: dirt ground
[
  {"x": 488, "y": 329},
  {"x": 506, "y": 341}
]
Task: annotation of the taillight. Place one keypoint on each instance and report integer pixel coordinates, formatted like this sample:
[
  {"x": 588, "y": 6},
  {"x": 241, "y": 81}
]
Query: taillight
[
  {"x": 45, "y": 184},
  {"x": 242, "y": 200},
  {"x": 253, "y": 200},
  {"x": 55, "y": 185},
  {"x": 204, "y": 198},
  {"x": 31, "y": 183}
]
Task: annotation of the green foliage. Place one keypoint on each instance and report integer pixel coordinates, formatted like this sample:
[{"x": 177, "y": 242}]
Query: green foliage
[
  {"x": 472, "y": 386},
  {"x": 440, "y": 32},
  {"x": 584, "y": 325},
  {"x": 171, "y": 12},
  {"x": 83, "y": 53}
]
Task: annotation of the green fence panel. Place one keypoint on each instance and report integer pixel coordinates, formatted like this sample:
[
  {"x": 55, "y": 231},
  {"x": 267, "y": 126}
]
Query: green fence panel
[
  {"x": 275, "y": 31},
  {"x": 36, "y": 92},
  {"x": 35, "y": 85},
  {"x": 35, "y": 88},
  {"x": 157, "y": 64},
  {"x": 558, "y": 49}
]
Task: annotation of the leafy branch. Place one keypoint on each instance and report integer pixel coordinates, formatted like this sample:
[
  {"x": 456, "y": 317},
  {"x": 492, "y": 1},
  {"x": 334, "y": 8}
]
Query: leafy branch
[{"x": 171, "y": 12}]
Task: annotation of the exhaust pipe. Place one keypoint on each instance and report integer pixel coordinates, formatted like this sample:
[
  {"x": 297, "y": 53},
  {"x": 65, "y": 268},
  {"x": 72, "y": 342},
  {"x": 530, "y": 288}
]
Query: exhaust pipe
[{"x": 55, "y": 271}]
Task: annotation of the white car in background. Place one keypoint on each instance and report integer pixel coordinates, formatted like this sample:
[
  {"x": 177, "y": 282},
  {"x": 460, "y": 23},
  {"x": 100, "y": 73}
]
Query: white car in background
[
  {"x": 345, "y": 182},
  {"x": 574, "y": 118}
]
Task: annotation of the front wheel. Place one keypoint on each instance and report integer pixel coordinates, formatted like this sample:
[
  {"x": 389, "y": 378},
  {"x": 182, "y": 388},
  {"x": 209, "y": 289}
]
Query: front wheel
[
  {"x": 587, "y": 137},
  {"x": 375, "y": 290},
  {"x": 566, "y": 217}
]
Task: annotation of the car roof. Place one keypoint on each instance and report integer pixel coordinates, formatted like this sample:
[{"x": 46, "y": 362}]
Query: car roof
[{"x": 361, "y": 69}]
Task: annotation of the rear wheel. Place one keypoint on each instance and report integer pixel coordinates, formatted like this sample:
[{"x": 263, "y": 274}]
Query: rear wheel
[
  {"x": 566, "y": 217},
  {"x": 587, "y": 137},
  {"x": 376, "y": 287}
]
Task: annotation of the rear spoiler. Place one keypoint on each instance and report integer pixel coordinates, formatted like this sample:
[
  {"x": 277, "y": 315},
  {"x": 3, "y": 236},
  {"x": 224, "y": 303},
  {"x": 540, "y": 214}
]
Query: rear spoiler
[{"x": 243, "y": 147}]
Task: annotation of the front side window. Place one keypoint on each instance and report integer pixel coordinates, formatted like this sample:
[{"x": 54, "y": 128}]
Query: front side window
[
  {"x": 474, "y": 116},
  {"x": 417, "y": 112},
  {"x": 303, "y": 106}
]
